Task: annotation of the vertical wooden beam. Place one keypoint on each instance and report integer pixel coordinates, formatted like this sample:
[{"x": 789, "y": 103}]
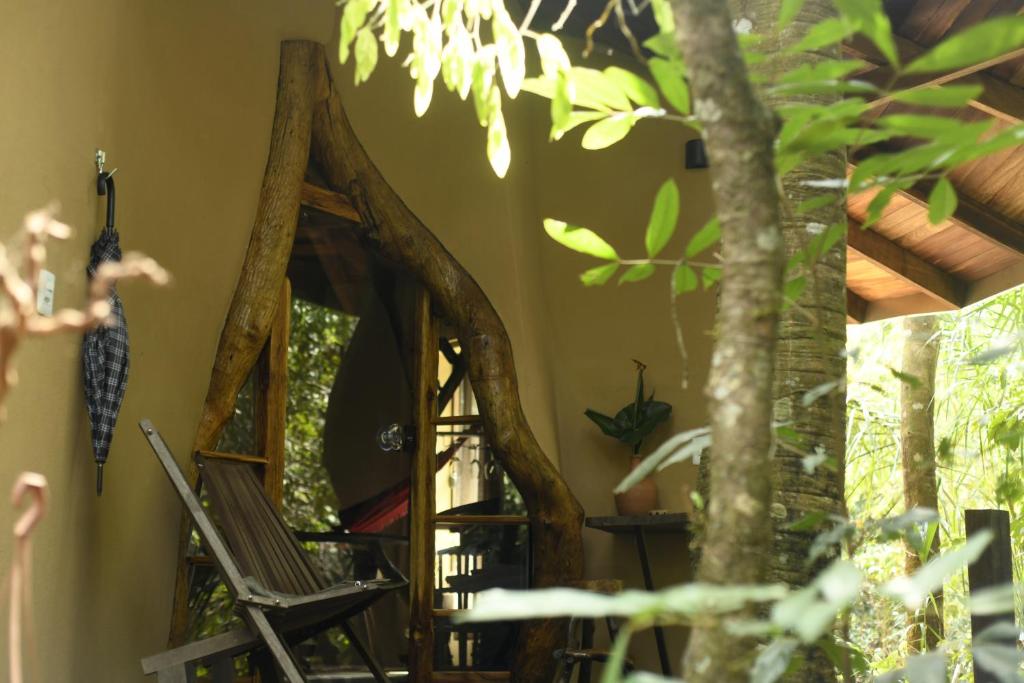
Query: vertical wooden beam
[
  {"x": 993, "y": 568},
  {"x": 271, "y": 404},
  {"x": 421, "y": 502}
]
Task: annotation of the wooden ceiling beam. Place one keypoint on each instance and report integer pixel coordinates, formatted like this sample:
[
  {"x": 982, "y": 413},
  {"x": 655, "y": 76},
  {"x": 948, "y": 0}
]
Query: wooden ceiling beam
[
  {"x": 998, "y": 98},
  {"x": 905, "y": 265},
  {"x": 856, "y": 307},
  {"x": 970, "y": 215},
  {"x": 328, "y": 201}
]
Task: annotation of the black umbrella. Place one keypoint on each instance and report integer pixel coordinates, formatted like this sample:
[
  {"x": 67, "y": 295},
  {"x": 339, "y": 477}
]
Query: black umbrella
[{"x": 105, "y": 349}]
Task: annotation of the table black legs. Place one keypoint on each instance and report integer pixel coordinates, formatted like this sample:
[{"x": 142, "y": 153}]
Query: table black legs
[{"x": 645, "y": 565}]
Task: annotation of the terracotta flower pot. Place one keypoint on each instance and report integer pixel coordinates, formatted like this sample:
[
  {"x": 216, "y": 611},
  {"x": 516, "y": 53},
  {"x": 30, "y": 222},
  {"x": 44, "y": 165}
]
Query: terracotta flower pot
[{"x": 640, "y": 499}]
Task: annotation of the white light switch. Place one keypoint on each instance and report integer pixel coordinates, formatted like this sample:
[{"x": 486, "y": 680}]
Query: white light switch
[{"x": 44, "y": 292}]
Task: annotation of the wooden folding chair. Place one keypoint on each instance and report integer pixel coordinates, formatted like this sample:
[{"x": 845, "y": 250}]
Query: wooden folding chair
[{"x": 282, "y": 597}]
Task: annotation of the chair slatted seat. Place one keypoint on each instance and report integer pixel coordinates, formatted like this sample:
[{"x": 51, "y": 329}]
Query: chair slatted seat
[{"x": 280, "y": 594}]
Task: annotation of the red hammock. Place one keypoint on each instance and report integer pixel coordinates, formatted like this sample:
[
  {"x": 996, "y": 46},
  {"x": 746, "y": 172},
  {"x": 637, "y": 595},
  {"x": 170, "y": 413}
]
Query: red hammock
[{"x": 376, "y": 514}]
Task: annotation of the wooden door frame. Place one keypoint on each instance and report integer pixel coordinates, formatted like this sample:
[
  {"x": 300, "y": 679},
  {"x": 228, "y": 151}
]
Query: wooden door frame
[{"x": 310, "y": 120}]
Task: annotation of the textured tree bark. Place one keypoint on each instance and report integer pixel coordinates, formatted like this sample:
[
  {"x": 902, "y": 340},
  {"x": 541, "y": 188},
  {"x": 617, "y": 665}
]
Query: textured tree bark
[
  {"x": 917, "y": 453},
  {"x": 812, "y": 334},
  {"x": 556, "y": 517},
  {"x": 739, "y": 133}
]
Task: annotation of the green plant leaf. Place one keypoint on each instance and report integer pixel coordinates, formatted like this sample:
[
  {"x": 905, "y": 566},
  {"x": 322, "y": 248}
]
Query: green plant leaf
[
  {"x": 392, "y": 26},
  {"x": 708, "y": 235},
  {"x": 352, "y": 19},
  {"x": 773, "y": 660},
  {"x": 793, "y": 289},
  {"x": 608, "y": 425},
  {"x": 638, "y": 272},
  {"x": 636, "y": 88},
  {"x": 869, "y": 18},
  {"x": 595, "y": 90},
  {"x": 788, "y": 9},
  {"x": 598, "y": 275},
  {"x": 511, "y": 50},
  {"x": 670, "y": 77},
  {"x": 574, "y": 119},
  {"x": 664, "y": 17},
  {"x": 498, "y": 151},
  {"x": 483, "y": 79},
  {"x": 952, "y": 96},
  {"x": 684, "y": 279},
  {"x": 913, "y": 590},
  {"x": 664, "y": 217},
  {"x": 975, "y": 44},
  {"x": 824, "y": 33},
  {"x": 710, "y": 275},
  {"x": 579, "y": 239},
  {"x": 941, "y": 201},
  {"x": 607, "y": 132},
  {"x": 923, "y": 125},
  {"x": 366, "y": 54}
]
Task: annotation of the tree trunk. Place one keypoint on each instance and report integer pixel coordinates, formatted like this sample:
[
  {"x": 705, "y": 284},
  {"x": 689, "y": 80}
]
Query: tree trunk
[
  {"x": 917, "y": 452},
  {"x": 739, "y": 134},
  {"x": 812, "y": 334}
]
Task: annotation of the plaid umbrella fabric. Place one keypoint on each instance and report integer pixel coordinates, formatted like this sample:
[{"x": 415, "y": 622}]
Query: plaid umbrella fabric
[{"x": 105, "y": 360}]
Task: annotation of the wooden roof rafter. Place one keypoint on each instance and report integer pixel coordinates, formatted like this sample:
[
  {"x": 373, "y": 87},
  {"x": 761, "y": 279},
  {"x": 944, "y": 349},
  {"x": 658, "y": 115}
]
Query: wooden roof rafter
[
  {"x": 906, "y": 265},
  {"x": 998, "y": 98}
]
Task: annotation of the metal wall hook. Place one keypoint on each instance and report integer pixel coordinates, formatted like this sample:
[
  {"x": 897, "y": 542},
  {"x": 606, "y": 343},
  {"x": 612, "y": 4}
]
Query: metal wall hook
[{"x": 105, "y": 187}]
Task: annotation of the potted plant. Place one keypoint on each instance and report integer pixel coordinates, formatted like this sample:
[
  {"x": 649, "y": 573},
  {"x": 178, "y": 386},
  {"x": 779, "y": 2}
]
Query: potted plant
[{"x": 631, "y": 425}]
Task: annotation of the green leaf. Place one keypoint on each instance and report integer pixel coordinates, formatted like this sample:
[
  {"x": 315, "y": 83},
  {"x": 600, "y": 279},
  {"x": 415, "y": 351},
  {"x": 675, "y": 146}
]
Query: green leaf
[
  {"x": 978, "y": 43},
  {"x": 773, "y": 660},
  {"x": 708, "y": 235},
  {"x": 574, "y": 119},
  {"x": 608, "y": 426},
  {"x": 684, "y": 279},
  {"x": 923, "y": 125},
  {"x": 352, "y": 19},
  {"x": 941, "y": 201},
  {"x": 671, "y": 82},
  {"x": 817, "y": 202},
  {"x": 483, "y": 78},
  {"x": 510, "y": 48},
  {"x": 824, "y": 33},
  {"x": 664, "y": 217},
  {"x": 710, "y": 275},
  {"x": 869, "y": 18},
  {"x": 579, "y": 239},
  {"x": 498, "y": 151},
  {"x": 913, "y": 590},
  {"x": 636, "y": 88},
  {"x": 366, "y": 54},
  {"x": 664, "y": 17},
  {"x": 952, "y": 96},
  {"x": 788, "y": 10},
  {"x": 422, "y": 95},
  {"x": 607, "y": 132},
  {"x": 392, "y": 26},
  {"x": 792, "y": 290},
  {"x": 595, "y": 90},
  {"x": 598, "y": 275},
  {"x": 638, "y": 272},
  {"x": 823, "y": 70}
]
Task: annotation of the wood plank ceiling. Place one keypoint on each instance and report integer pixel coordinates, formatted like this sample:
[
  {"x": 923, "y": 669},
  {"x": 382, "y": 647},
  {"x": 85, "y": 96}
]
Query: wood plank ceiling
[{"x": 904, "y": 264}]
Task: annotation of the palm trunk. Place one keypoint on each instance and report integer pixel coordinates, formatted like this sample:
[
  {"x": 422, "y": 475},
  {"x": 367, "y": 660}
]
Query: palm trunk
[
  {"x": 739, "y": 133},
  {"x": 917, "y": 453},
  {"x": 812, "y": 338}
]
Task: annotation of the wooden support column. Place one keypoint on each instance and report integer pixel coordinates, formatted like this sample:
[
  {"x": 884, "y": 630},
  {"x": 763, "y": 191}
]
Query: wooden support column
[
  {"x": 993, "y": 568},
  {"x": 421, "y": 499},
  {"x": 271, "y": 404}
]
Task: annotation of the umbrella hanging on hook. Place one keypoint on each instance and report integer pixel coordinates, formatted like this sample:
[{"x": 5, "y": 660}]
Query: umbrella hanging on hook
[{"x": 105, "y": 349}]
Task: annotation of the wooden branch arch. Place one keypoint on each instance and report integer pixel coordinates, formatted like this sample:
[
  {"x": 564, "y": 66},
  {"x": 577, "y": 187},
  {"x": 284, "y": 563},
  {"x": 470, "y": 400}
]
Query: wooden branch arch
[{"x": 310, "y": 119}]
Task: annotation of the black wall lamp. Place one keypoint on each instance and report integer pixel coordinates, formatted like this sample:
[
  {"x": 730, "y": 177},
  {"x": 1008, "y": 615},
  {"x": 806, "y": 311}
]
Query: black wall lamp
[{"x": 696, "y": 155}]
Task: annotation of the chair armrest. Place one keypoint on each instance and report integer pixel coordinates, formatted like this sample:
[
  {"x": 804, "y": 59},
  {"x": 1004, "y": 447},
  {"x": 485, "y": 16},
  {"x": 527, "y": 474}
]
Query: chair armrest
[{"x": 373, "y": 542}]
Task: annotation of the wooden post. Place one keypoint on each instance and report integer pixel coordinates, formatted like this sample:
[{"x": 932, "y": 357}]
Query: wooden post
[
  {"x": 421, "y": 500},
  {"x": 272, "y": 397},
  {"x": 993, "y": 568}
]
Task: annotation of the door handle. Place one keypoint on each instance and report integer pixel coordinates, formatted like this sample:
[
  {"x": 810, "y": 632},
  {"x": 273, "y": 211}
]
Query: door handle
[{"x": 396, "y": 437}]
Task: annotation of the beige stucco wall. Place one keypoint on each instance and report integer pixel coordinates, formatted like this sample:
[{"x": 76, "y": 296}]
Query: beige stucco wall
[{"x": 180, "y": 94}]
